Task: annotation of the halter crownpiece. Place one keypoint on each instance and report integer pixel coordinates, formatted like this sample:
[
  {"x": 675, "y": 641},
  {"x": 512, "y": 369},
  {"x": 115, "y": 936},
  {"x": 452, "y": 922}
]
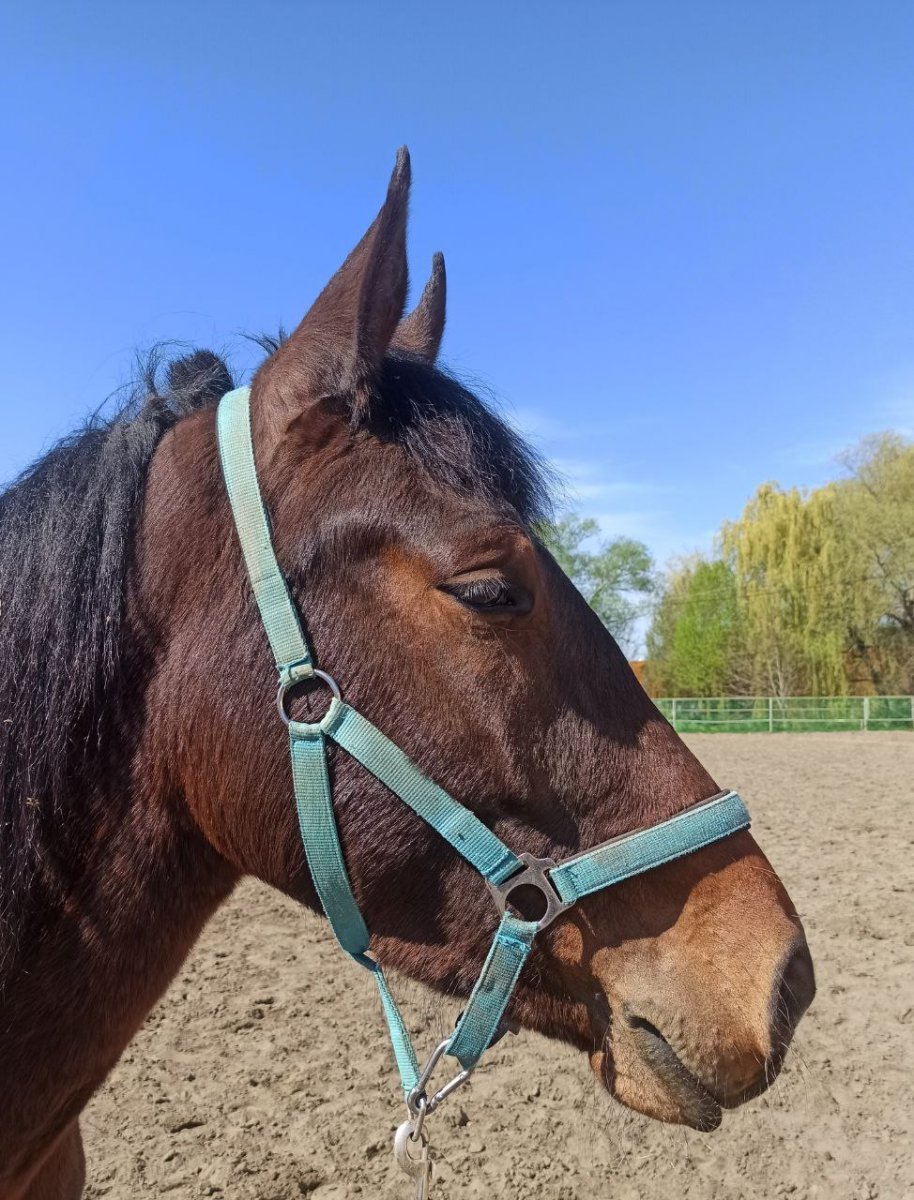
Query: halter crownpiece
[{"x": 560, "y": 885}]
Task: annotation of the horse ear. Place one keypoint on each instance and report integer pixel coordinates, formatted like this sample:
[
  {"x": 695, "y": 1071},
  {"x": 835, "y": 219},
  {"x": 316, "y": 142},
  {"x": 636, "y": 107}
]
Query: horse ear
[
  {"x": 422, "y": 330},
  {"x": 337, "y": 350}
]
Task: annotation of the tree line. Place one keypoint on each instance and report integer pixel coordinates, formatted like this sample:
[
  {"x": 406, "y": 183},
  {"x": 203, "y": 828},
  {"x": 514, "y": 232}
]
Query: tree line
[{"x": 807, "y": 593}]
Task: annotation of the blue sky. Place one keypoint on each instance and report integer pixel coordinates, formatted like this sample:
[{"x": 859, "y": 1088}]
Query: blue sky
[{"x": 678, "y": 235}]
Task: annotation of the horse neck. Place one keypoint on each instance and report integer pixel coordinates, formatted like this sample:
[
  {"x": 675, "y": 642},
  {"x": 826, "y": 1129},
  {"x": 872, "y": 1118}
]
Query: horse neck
[{"x": 115, "y": 920}]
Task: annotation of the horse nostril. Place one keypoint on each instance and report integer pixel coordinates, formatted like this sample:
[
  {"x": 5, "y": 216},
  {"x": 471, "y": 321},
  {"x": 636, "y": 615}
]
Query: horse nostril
[{"x": 794, "y": 995}]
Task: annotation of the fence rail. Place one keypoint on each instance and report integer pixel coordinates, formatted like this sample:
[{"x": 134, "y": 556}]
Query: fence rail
[{"x": 787, "y": 714}]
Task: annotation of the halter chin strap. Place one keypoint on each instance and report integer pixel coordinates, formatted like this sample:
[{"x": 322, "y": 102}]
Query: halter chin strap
[{"x": 560, "y": 885}]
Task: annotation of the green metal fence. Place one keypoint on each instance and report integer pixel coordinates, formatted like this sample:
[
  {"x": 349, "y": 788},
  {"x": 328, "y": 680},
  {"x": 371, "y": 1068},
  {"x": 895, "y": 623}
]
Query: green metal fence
[{"x": 790, "y": 714}]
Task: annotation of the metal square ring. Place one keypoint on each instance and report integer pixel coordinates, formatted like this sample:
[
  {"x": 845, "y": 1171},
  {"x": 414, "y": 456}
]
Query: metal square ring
[{"x": 536, "y": 875}]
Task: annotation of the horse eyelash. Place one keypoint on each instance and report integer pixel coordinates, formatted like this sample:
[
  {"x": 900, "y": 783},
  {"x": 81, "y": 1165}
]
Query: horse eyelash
[{"x": 489, "y": 592}]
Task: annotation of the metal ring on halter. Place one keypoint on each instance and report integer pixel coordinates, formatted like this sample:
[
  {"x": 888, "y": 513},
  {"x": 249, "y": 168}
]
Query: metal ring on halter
[
  {"x": 284, "y": 688},
  {"x": 536, "y": 875}
]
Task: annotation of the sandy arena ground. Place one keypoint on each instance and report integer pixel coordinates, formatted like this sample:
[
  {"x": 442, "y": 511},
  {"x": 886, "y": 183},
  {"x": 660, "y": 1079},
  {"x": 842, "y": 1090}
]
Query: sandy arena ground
[{"x": 264, "y": 1074}]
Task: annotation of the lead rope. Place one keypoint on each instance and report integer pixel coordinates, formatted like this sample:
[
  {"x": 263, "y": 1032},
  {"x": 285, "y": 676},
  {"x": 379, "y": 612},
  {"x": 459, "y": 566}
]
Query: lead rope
[{"x": 560, "y": 886}]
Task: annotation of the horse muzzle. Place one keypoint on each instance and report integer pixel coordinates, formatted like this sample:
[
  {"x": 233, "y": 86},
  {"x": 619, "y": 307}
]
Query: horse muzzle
[{"x": 702, "y": 1011}]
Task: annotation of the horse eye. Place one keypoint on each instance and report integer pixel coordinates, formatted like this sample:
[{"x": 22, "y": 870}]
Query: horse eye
[{"x": 491, "y": 592}]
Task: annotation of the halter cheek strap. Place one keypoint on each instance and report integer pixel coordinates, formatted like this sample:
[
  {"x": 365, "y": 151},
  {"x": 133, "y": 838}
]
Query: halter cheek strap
[{"x": 560, "y": 885}]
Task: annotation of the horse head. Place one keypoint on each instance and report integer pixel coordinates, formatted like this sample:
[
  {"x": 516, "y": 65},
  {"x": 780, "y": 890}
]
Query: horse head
[{"x": 404, "y": 515}]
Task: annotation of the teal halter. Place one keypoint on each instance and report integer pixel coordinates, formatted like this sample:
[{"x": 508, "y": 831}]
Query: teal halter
[{"x": 561, "y": 885}]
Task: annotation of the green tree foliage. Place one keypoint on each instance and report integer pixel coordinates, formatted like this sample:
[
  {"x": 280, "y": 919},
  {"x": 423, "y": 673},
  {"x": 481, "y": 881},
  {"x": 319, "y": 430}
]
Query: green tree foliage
[
  {"x": 695, "y": 643},
  {"x": 615, "y": 577},
  {"x": 786, "y": 554},
  {"x": 876, "y": 511},
  {"x": 812, "y": 593}
]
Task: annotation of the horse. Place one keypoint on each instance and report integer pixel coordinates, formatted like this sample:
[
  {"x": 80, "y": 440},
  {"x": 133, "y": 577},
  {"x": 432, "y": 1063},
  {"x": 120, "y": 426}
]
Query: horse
[{"x": 143, "y": 775}]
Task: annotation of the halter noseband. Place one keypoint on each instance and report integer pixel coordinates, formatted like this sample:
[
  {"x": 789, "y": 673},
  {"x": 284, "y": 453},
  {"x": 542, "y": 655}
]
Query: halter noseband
[{"x": 560, "y": 885}]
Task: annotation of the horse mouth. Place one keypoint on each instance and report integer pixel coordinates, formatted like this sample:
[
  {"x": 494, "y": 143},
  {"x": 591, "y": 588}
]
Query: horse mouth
[{"x": 642, "y": 1070}]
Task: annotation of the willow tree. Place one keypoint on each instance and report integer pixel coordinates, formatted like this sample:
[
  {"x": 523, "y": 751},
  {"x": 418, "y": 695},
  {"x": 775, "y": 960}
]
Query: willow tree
[{"x": 793, "y": 587}]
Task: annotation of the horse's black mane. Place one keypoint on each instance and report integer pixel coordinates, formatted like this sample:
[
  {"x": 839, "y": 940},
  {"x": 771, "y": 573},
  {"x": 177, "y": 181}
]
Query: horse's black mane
[
  {"x": 65, "y": 531},
  {"x": 66, "y": 527}
]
